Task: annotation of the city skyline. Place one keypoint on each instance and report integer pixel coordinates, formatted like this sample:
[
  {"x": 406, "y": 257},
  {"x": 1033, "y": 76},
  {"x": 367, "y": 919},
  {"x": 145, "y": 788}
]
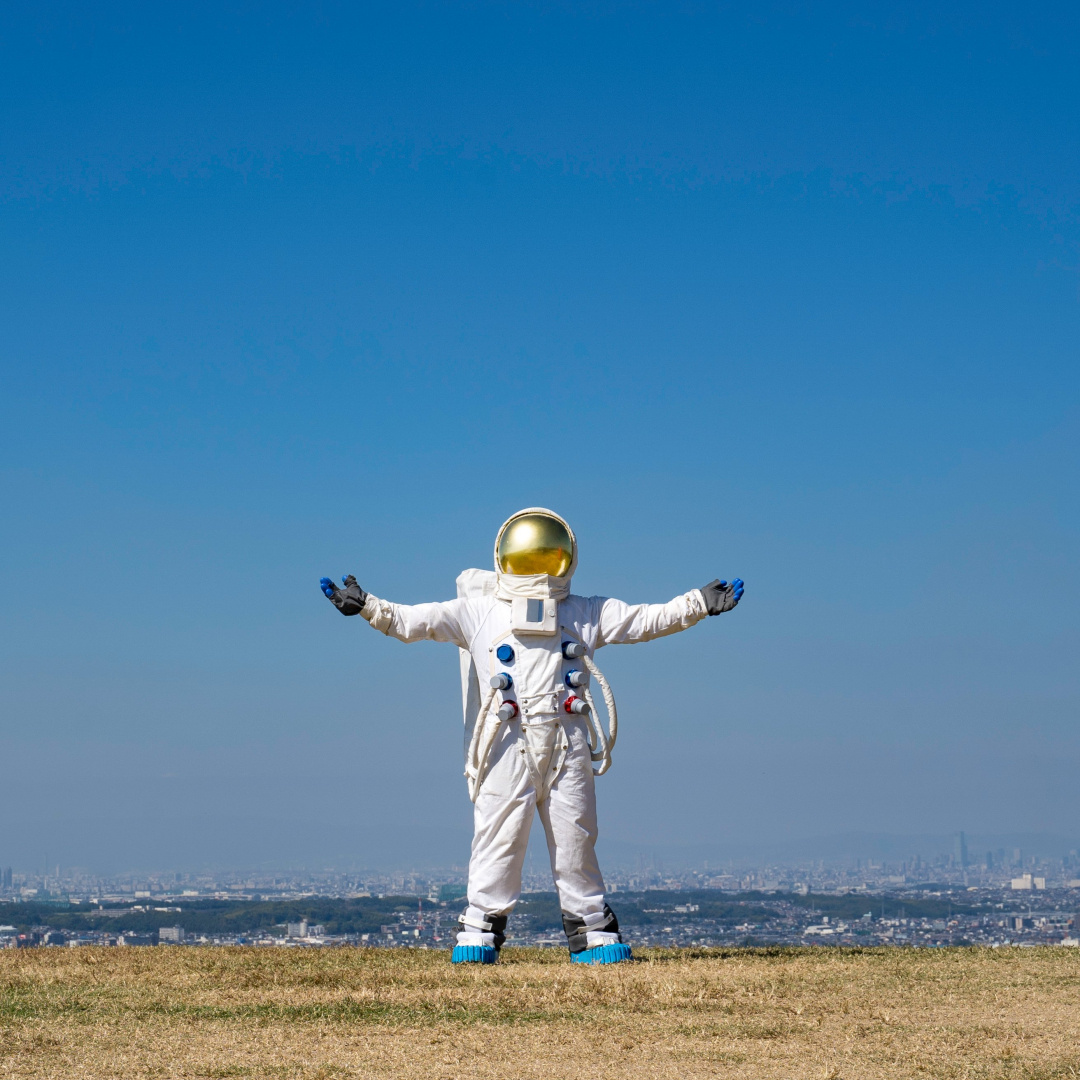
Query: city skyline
[{"x": 998, "y": 855}]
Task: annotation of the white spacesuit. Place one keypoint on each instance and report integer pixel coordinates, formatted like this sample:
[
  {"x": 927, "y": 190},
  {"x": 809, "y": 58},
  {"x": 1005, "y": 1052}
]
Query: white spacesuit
[{"x": 531, "y": 733}]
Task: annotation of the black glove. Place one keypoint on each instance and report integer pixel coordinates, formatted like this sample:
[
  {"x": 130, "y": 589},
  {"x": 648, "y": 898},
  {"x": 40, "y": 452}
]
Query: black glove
[
  {"x": 721, "y": 596},
  {"x": 349, "y": 602}
]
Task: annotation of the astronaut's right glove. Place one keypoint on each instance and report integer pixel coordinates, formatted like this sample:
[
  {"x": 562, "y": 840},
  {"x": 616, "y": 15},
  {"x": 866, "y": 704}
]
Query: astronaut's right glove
[
  {"x": 349, "y": 601},
  {"x": 721, "y": 596}
]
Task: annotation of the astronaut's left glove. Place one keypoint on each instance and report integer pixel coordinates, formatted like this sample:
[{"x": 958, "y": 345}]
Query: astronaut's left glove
[
  {"x": 349, "y": 601},
  {"x": 721, "y": 596}
]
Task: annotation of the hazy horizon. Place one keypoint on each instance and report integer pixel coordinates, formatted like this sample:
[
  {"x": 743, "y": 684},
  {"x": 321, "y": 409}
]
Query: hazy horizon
[{"x": 837, "y": 850}]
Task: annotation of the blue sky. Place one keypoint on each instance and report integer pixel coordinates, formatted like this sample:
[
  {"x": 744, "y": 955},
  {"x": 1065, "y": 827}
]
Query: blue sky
[{"x": 791, "y": 296}]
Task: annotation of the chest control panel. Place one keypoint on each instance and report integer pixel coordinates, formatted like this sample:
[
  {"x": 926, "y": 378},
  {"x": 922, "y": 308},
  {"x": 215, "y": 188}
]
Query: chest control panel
[{"x": 529, "y": 616}]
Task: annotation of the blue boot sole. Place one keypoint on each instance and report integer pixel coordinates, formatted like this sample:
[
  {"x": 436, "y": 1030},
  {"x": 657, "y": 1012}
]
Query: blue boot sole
[
  {"x": 474, "y": 954},
  {"x": 603, "y": 954}
]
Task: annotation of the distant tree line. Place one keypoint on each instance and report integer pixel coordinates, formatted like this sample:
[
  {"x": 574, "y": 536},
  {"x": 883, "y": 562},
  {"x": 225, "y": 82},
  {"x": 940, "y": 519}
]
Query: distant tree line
[{"x": 366, "y": 914}]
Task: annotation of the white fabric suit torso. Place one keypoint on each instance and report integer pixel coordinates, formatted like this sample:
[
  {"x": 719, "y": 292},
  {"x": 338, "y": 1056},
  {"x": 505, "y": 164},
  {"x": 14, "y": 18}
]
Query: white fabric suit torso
[{"x": 541, "y": 759}]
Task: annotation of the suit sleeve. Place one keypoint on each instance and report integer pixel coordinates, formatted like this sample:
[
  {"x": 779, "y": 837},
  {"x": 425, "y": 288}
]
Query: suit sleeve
[
  {"x": 625, "y": 624},
  {"x": 418, "y": 622}
]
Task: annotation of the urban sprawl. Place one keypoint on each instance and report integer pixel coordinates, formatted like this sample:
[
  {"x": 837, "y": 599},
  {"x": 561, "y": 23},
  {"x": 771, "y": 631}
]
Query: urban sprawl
[{"x": 1003, "y": 898}]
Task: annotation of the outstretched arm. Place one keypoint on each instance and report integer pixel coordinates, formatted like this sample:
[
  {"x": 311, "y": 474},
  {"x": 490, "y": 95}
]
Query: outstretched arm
[
  {"x": 406, "y": 622},
  {"x": 624, "y": 624}
]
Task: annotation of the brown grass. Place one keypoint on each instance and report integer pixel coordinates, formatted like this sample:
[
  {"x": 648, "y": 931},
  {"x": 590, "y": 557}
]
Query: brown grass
[{"x": 1012, "y": 1014}]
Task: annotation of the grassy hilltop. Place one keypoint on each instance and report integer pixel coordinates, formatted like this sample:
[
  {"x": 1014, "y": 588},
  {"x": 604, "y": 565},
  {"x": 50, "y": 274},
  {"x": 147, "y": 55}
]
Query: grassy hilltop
[{"x": 817, "y": 1014}]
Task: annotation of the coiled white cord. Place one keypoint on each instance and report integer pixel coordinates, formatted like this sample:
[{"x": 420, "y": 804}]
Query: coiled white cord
[
  {"x": 476, "y": 762},
  {"x": 603, "y": 743}
]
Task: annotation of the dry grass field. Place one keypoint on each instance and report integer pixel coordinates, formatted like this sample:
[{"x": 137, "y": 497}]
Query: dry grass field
[{"x": 792, "y": 1014}]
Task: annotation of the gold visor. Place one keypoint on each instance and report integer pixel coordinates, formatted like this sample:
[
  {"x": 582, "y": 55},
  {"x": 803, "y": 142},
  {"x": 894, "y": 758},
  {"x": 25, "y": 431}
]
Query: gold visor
[{"x": 535, "y": 544}]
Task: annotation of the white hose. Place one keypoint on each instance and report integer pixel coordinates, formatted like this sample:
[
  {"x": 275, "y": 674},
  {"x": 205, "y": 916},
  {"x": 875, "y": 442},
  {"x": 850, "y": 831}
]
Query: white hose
[
  {"x": 598, "y": 744},
  {"x": 475, "y": 761},
  {"x": 606, "y": 744}
]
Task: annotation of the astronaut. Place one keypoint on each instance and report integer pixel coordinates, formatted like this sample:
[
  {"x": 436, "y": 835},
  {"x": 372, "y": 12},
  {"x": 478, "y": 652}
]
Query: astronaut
[{"x": 532, "y": 735}]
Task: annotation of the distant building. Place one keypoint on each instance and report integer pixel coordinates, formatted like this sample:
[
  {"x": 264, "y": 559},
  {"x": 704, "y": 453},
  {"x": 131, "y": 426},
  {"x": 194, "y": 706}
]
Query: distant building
[
  {"x": 1026, "y": 881},
  {"x": 960, "y": 851},
  {"x": 297, "y": 929},
  {"x": 171, "y": 935},
  {"x": 136, "y": 939}
]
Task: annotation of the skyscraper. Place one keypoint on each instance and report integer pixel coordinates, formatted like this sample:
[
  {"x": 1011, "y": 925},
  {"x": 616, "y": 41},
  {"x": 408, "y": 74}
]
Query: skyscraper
[{"x": 960, "y": 852}]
